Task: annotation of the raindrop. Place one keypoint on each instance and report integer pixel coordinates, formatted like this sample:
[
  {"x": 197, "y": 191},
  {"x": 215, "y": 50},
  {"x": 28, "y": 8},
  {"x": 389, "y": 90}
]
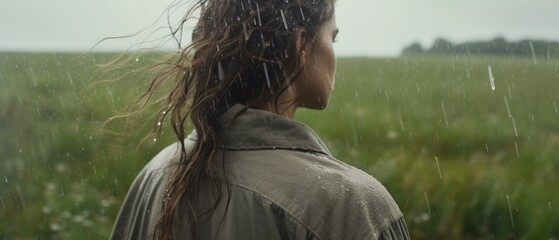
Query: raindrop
[
  {"x": 549, "y": 203},
  {"x": 137, "y": 59},
  {"x": 6, "y": 179},
  {"x": 507, "y": 105},
  {"x": 468, "y": 73},
  {"x": 510, "y": 212},
  {"x": 251, "y": 10},
  {"x": 155, "y": 139},
  {"x": 514, "y": 125},
  {"x": 491, "y": 78},
  {"x": 556, "y": 110},
  {"x": 284, "y": 21},
  {"x": 61, "y": 101},
  {"x": 266, "y": 73},
  {"x": 220, "y": 71},
  {"x": 427, "y": 200},
  {"x": 444, "y": 114},
  {"x": 486, "y": 148},
  {"x": 354, "y": 133},
  {"x": 302, "y": 15},
  {"x": 438, "y": 167},
  {"x": 534, "y": 58},
  {"x": 158, "y": 123},
  {"x": 263, "y": 41},
  {"x": 245, "y": 31},
  {"x": 516, "y": 147},
  {"x": 258, "y": 12}
]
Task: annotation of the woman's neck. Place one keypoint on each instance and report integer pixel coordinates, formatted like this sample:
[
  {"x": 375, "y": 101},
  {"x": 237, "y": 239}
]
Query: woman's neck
[{"x": 285, "y": 109}]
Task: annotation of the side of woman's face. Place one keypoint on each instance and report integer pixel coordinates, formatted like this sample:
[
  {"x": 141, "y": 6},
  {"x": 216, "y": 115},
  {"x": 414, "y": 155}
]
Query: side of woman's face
[{"x": 316, "y": 81}]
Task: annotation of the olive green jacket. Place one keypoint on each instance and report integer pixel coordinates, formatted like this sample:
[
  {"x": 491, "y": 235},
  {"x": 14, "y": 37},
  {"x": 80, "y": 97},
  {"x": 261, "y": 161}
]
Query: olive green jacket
[{"x": 282, "y": 183}]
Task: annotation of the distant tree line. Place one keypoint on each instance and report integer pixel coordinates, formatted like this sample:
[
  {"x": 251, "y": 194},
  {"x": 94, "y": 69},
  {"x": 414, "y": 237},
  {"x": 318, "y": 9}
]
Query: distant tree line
[{"x": 497, "y": 46}]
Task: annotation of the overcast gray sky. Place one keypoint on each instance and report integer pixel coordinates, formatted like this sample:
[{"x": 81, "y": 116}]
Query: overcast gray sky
[{"x": 368, "y": 27}]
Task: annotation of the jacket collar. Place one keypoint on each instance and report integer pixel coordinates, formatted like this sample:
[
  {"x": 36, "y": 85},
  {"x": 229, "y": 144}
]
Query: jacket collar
[{"x": 251, "y": 129}]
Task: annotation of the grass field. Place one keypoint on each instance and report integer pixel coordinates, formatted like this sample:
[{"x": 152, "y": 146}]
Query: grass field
[{"x": 463, "y": 161}]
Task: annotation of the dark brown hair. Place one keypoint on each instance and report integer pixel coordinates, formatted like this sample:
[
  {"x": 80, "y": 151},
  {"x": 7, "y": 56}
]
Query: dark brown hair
[{"x": 242, "y": 51}]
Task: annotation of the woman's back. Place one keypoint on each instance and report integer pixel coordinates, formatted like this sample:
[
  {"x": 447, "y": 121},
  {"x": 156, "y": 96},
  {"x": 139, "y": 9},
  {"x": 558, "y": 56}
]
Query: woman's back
[{"x": 282, "y": 183}]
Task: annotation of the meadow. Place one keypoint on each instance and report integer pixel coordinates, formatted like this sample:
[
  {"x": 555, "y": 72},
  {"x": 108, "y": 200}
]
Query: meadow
[{"x": 463, "y": 159}]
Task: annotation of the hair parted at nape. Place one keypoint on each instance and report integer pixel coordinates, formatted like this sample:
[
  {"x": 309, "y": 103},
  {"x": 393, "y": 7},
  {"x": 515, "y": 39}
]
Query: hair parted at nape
[{"x": 242, "y": 51}]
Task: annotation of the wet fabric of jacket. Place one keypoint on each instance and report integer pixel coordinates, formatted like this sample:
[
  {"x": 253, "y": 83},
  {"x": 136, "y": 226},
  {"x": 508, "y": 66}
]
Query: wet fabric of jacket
[{"x": 282, "y": 183}]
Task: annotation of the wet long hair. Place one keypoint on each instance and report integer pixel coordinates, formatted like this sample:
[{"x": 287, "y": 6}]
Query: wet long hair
[{"x": 242, "y": 51}]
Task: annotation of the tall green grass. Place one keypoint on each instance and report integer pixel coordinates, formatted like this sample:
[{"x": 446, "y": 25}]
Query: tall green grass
[{"x": 430, "y": 128}]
